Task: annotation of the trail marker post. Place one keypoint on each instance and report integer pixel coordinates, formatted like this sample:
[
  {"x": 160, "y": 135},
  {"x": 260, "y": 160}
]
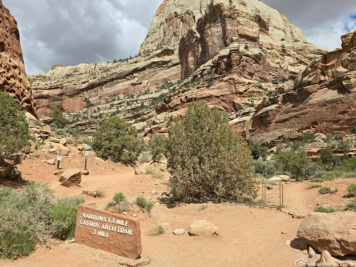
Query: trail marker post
[
  {"x": 86, "y": 155},
  {"x": 59, "y": 158}
]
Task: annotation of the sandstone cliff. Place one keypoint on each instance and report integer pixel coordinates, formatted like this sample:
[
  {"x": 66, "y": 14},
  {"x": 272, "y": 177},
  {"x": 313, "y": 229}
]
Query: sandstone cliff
[
  {"x": 13, "y": 78},
  {"x": 241, "y": 56}
]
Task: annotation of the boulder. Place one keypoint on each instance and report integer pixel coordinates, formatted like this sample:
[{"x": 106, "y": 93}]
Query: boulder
[
  {"x": 180, "y": 231},
  {"x": 51, "y": 162},
  {"x": 90, "y": 193},
  {"x": 46, "y": 120},
  {"x": 70, "y": 177},
  {"x": 279, "y": 178},
  {"x": 326, "y": 260},
  {"x": 54, "y": 140},
  {"x": 84, "y": 172},
  {"x": 63, "y": 141},
  {"x": 334, "y": 232},
  {"x": 202, "y": 228}
]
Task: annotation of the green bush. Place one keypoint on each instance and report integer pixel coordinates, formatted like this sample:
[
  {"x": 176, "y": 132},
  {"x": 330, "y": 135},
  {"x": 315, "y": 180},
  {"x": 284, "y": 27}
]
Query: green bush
[
  {"x": 158, "y": 145},
  {"x": 265, "y": 168},
  {"x": 14, "y": 134},
  {"x": 157, "y": 230},
  {"x": 58, "y": 118},
  {"x": 312, "y": 186},
  {"x": 352, "y": 204},
  {"x": 327, "y": 190},
  {"x": 144, "y": 157},
  {"x": 115, "y": 139},
  {"x": 75, "y": 132},
  {"x": 206, "y": 159},
  {"x": 352, "y": 189},
  {"x": 25, "y": 219},
  {"x": 348, "y": 165},
  {"x": 308, "y": 138},
  {"x": 118, "y": 197},
  {"x": 328, "y": 159},
  {"x": 258, "y": 151},
  {"x": 144, "y": 204},
  {"x": 64, "y": 217},
  {"x": 61, "y": 132},
  {"x": 296, "y": 163},
  {"x": 319, "y": 208}
]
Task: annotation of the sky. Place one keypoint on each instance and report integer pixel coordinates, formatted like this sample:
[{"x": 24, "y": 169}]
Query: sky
[{"x": 69, "y": 32}]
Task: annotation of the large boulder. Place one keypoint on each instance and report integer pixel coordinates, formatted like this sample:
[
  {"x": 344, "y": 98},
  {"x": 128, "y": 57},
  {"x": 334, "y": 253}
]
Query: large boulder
[
  {"x": 71, "y": 177},
  {"x": 334, "y": 232},
  {"x": 203, "y": 228}
]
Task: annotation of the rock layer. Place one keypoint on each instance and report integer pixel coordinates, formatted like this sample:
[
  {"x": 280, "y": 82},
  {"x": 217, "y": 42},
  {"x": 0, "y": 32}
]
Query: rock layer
[
  {"x": 241, "y": 56},
  {"x": 13, "y": 78}
]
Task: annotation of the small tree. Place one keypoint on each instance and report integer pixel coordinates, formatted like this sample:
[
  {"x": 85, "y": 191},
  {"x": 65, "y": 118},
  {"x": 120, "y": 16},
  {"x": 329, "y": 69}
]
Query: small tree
[
  {"x": 58, "y": 118},
  {"x": 115, "y": 139},
  {"x": 206, "y": 159},
  {"x": 158, "y": 146},
  {"x": 14, "y": 134}
]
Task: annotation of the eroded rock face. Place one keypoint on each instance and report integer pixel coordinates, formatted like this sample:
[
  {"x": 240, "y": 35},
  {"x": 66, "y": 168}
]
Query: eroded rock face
[
  {"x": 13, "y": 78},
  {"x": 322, "y": 100}
]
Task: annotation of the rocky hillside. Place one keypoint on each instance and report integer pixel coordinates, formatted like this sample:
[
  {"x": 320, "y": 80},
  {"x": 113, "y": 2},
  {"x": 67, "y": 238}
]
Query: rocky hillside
[
  {"x": 241, "y": 56},
  {"x": 13, "y": 78}
]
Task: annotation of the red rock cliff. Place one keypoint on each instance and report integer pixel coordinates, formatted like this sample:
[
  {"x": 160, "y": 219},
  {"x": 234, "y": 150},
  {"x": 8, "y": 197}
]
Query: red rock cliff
[{"x": 13, "y": 79}]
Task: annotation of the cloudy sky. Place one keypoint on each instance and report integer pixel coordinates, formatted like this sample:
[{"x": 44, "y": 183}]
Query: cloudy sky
[{"x": 69, "y": 32}]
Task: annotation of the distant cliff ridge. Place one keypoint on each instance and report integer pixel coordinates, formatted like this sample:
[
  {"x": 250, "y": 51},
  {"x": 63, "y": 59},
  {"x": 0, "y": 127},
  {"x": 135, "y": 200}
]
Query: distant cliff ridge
[{"x": 241, "y": 56}]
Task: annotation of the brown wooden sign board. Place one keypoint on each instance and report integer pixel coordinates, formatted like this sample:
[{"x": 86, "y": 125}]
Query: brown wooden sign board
[{"x": 114, "y": 233}]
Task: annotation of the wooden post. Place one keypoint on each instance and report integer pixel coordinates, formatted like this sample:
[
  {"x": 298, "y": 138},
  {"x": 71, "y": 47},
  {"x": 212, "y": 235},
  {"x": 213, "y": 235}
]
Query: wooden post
[
  {"x": 59, "y": 158},
  {"x": 86, "y": 160}
]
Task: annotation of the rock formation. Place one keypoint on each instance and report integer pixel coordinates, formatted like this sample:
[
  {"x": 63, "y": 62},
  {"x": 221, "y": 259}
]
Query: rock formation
[
  {"x": 13, "y": 78},
  {"x": 241, "y": 56},
  {"x": 334, "y": 232}
]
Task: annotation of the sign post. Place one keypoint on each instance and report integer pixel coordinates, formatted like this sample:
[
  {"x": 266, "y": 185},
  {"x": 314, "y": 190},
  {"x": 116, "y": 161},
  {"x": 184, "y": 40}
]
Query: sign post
[
  {"x": 59, "y": 158},
  {"x": 86, "y": 159}
]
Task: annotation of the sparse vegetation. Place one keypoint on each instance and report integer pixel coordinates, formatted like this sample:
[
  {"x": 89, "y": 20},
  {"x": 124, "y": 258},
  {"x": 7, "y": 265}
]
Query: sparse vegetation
[
  {"x": 115, "y": 139},
  {"x": 144, "y": 157},
  {"x": 154, "y": 173},
  {"x": 258, "y": 151},
  {"x": 144, "y": 204},
  {"x": 118, "y": 197},
  {"x": 265, "y": 168},
  {"x": 352, "y": 204},
  {"x": 352, "y": 189},
  {"x": 327, "y": 190},
  {"x": 312, "y": 186},
  {"x": 320, "y": 208},
  {"x": 157, "y": 229},
  {"x": 207, "y": 160}
]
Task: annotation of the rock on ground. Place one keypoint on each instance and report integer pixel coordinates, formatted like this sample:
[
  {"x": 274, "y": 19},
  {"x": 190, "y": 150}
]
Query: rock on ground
[
  {"x": 334, "y": 232},
  {"x": 179, "y": 231},
  {"x": 202, "y": 228},
  {"x": 70, "y": 177}
]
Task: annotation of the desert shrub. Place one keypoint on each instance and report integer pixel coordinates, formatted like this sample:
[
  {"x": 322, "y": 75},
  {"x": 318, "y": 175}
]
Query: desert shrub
[
  {"x": 58, "y": 118},
  {"x": 158, "y": 146},
  {"x": 100, "y": 194},
  {"x": 312, "y": 186},
  {"x": 144, "y": 157},
  {"x": 154, "y": 173},
  {"x": 115, "y": 139},
  {"x": 308, "y": 138},
  {"x": 296, "y": 163},
  {"x": 264, "y": 168},
  {"x": 64, "y": 214},
  {"x": 329, "y": 176},
  {"x": 14, "y": 134},
  {"x": 61, "y": 132},
  {"x": 144, "y": 204},
  {"x": 348, "y": 165},
  {"x": 353, "y": 130},
  {"x": 320, "y": 208},
  {"x": 157, "y": 229},
  {"x": 352, "y": 204},
  {"x": 258, "y": 151},
  {"x": 118, "y": 197},
  {"x": 25, "y": 219},
  {"x": 206, "y": 159},
  {"x": 75, "y": 132},
  {"x": 327, "y": 158},
  {"x": 327, "y": 190},
  {"x": 352, "y": 189}
]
